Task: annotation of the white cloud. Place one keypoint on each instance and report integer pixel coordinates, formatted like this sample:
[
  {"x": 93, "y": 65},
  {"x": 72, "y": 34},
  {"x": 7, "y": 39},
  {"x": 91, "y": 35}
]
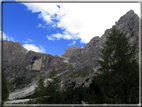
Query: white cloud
[
  {"x": 50, "y": 38},
  {"x": 5, "y": 37},
  {"x": 58, "y": 36},
  {"x": 66, "y": 35},
  {"x": 27, "y": 41},
  {"x": 47, "y": 10},
  {"x": 73, "y": 42},
  {"x": 34, "y": 48},
  {"x": 85, "y": 19}
]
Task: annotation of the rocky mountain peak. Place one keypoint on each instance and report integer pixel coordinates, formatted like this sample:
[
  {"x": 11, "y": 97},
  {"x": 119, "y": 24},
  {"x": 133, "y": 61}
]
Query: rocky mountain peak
[
  {"x": 67, "y": 52},
  {"x": 13, "y": 50},
  {"x": 130, "y": 15},
  {"x": 96, "y": 38},
  {"x": 75, "y": 47}
]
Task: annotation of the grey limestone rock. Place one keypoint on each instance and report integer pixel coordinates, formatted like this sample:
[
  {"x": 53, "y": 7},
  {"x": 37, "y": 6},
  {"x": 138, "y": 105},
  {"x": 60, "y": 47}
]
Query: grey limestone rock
[{"x": 89, "y": 54}]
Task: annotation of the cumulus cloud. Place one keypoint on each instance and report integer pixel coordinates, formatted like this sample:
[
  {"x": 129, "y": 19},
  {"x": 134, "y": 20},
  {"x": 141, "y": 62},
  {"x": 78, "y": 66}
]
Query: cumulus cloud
[
  {"x": 50, "y": 38},
  {"x": 73, "y": 42},
  {"x": 84, "y": 19},
  {"x": 5, "y": 37},
  {"x": 34, "y": 48}
]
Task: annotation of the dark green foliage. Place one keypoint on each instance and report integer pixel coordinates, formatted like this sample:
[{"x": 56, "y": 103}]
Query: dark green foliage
[
  {"x": 82, "y": 73},
  {"x": 72, "y": 96},
  {"x": 95, "y": 93},
  {"x": 63, "y": 64},
  {"x": 52, "y": 94},
  {"x": 5, "y": 92},
  {"x": 61, "y": 70},
  {"x": 79, "y": 74},
  {"x": 40, "y": 89},
  {"x": 5, "y": 61},
  {"x": 48, "y": 94},
  {"x": 119, "y": 70},
  {"x": 70, "y": 67},
  {"x": 3, "y": 69},
  {"x": 18, "y": 82},
  {"x": 53, "y": 87}
]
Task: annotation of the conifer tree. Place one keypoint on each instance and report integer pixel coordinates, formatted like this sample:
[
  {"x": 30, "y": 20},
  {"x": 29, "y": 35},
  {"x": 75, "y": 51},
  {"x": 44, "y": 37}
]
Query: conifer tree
[
  {"x": 5, "y": 92},
  {"x": 53, "y": 87},
  {"x": 119, "y": 70},
  {"x": 40, "y": 88},
  {"x": 95, "y": 93}
]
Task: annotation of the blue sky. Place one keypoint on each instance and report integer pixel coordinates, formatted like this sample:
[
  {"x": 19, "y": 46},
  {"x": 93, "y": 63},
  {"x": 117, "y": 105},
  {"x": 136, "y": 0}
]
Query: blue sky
[{"x": 52, "y": 27}]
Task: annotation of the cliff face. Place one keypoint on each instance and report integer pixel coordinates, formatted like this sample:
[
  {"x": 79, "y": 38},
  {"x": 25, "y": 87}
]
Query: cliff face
[
  {"x": 87, "y": 56},
  {"x": 21, "y": 65},
  {"x": 12, "y": 53}
]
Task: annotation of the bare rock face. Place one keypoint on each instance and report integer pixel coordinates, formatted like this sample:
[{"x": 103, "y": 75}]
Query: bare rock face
[
  {"x": 129, "y": 24},
  {"x": 67, "y": 52},
  {"x": 12, "y": 53},
  {"x": 26, "y": 66},
  {"x": 88, "y": 56},
  {"x": 13, "y": 50},
  {"x": 33, "y": 61},
  {"x": 75, "y": 47}
]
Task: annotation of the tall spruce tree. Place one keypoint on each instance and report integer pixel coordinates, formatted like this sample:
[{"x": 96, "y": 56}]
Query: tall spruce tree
[
  {"x": 95, "y": 95},
  {"x": 53, "y": 88},
  {"x": 119, "y": 70},
  {"x": 40, "y": 88}
]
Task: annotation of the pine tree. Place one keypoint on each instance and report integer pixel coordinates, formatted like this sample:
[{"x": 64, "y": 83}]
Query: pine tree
[
  {"x": 40, "y": 88},
  {"x": 5, "y": 92},
  {"x": 119, "y": 70},
  {"x": 53, "y": 87},
  {"x": 95, "y": 93}
]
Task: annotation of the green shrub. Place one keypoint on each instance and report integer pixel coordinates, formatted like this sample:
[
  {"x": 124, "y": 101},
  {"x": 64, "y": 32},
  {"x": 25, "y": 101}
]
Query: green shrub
[
  {"x": 5, "y": 61},
  {"x": 79, "y": 74}
]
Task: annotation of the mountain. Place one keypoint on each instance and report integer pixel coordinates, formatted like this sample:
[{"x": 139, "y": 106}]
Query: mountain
[
  {"x": 77, "y": 66},
  {"x": 85, "y": 59}
]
